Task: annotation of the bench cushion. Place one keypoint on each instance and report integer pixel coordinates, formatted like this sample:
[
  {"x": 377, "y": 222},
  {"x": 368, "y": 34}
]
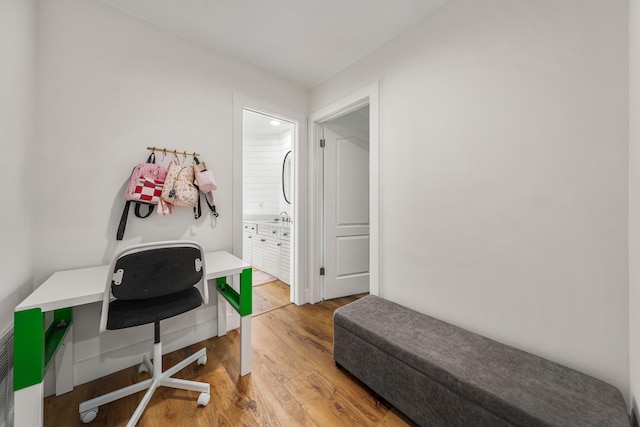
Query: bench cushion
[{"x": 515, "y": 386}]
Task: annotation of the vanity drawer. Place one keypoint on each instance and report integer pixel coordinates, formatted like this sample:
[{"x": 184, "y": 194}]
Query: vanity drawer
[
  {"x": 284, "y": 233},
  {"x": 265, "y": 230},
  {"x": 249, "y": 227}
]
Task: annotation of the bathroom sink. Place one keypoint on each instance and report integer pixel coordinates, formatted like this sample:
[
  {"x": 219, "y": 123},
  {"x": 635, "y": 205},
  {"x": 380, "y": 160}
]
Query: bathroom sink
[{"x": 277, "y": 222}]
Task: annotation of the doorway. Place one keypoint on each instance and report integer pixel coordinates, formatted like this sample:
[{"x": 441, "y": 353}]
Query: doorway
[
  {"x": 361, "y": 256},
  {"x": 268, "y": 207},
  {"x": 345, "y": 171}
]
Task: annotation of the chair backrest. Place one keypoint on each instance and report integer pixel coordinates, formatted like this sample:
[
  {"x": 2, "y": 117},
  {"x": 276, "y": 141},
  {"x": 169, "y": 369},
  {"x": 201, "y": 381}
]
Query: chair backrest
[{"x": 152, "y": 270}]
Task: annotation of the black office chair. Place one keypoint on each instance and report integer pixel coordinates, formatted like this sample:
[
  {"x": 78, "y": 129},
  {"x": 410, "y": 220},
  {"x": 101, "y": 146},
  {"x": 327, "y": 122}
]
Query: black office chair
[{"x": 148, "y": 283}]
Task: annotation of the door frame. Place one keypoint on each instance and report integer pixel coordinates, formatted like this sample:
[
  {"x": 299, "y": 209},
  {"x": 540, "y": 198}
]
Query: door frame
[
  {"x": 299, "y": 152},
  {"x": 366, "y": 96}
]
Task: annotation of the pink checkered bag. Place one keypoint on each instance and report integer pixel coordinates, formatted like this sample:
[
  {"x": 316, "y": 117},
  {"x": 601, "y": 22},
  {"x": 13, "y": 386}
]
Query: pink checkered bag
[
  {"x": 144, "y": 188},
  {"x": 146, "y": 182}
]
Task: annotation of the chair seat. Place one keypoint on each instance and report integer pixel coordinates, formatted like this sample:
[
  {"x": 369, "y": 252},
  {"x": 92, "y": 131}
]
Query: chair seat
[{"x": 127, "y": 313}]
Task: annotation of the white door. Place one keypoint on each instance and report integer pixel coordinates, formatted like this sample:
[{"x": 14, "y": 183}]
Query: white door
[{"x": 346, "y": 211}]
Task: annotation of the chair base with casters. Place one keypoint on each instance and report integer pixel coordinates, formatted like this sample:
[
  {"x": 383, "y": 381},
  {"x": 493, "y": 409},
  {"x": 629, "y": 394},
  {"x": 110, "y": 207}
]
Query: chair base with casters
[
  {"x": 89, "y": 408},
  {"x": 137, "y": 294}
]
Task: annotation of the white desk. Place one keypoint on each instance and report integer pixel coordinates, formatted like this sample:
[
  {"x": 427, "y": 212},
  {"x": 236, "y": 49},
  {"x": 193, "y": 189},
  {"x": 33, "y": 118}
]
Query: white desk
[{"x": 35, "y": 348}]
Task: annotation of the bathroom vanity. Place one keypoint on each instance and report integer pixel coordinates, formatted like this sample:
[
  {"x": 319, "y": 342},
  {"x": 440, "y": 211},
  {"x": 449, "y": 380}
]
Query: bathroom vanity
[{"x": 266, "y": 246}]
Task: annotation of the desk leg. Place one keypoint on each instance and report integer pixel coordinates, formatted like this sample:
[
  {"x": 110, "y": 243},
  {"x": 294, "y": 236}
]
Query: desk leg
[
  {"x": 28, "y": 367},
  {"x": 64, "y": 364},
  {"x": 222, "y": 311},
  {"x": 29, "y": 406},
  {"x": 245, "y": 345},
  {"x": 242, "y": 302},
  {"x": 246, "y": 309},
  {"x": 33, "y": 350}
]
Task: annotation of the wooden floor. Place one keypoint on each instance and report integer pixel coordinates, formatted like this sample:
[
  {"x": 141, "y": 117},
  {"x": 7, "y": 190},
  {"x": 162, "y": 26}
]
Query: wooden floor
[
  {"x": 270, "y": 296},
  {"x": 294, "y": 382}
]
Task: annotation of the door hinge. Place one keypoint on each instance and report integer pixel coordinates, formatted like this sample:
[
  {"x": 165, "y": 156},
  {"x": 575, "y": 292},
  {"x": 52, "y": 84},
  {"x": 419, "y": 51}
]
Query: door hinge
[
  {"x": 322, "y": 143},
  {"x": 322, "y": 271}
]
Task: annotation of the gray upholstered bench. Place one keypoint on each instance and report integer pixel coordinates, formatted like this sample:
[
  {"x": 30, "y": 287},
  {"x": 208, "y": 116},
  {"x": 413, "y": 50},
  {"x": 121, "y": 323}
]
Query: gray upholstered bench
[{"x": 440, "y": 375}]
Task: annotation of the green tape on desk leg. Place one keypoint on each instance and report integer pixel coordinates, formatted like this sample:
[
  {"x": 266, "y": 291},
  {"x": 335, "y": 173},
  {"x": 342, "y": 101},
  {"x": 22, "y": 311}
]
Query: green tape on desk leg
[
  {"x": 246, "y": 291},
  {"x": 28, "y": 336}
]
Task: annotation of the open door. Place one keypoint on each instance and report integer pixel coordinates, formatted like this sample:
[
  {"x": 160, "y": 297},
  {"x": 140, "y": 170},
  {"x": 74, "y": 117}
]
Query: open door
[{"x": 346, "y": 206}]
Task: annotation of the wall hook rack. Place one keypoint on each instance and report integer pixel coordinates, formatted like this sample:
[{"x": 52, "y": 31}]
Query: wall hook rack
[{"x": 166, "y": 150}]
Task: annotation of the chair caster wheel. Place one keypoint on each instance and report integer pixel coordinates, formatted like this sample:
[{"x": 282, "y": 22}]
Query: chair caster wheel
[
  {"x": 145, "y": 366},
  {"x": 202, "y": 360},
  {"x": 89, "y": 415},
  {"x": 203, "y": 399}
]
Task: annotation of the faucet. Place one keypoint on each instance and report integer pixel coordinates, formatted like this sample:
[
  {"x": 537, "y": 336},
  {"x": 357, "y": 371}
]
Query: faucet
[{"x": 284, "y": 216}]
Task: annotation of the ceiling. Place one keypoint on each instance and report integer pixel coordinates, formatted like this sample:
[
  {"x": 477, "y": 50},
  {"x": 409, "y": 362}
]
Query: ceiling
[
  {"x": 305, "y": 41},
  {"x": 259, "y": 125}
]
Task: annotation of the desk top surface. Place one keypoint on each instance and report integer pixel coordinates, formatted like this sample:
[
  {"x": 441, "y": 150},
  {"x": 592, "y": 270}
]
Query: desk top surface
[{"x": 70, "y": 288}]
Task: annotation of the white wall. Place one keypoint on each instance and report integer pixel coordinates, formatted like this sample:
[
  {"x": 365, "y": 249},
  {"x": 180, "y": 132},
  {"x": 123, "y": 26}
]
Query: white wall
[
  {"x": 262, "y": 175},
  {"x": 503, "y": 171},
  {"x": 17, "y": 141},
  {"x": 634, "y": 199},
  {"x": 109, "y": 86}
]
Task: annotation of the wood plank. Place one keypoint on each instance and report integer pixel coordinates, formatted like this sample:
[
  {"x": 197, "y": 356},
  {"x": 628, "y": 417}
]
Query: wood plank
[
  {"x": 282, "y": 405},
  {"x": 329, "y": 404},
  {"x": 294, "y": 382},
  {"x": 283, "y": 361},
  {"x": 270, "y": 296}
]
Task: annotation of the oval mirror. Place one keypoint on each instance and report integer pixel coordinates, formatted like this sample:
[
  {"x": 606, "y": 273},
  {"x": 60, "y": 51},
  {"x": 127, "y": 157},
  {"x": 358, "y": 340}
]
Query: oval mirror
[{"x": 286, "y": 177}]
